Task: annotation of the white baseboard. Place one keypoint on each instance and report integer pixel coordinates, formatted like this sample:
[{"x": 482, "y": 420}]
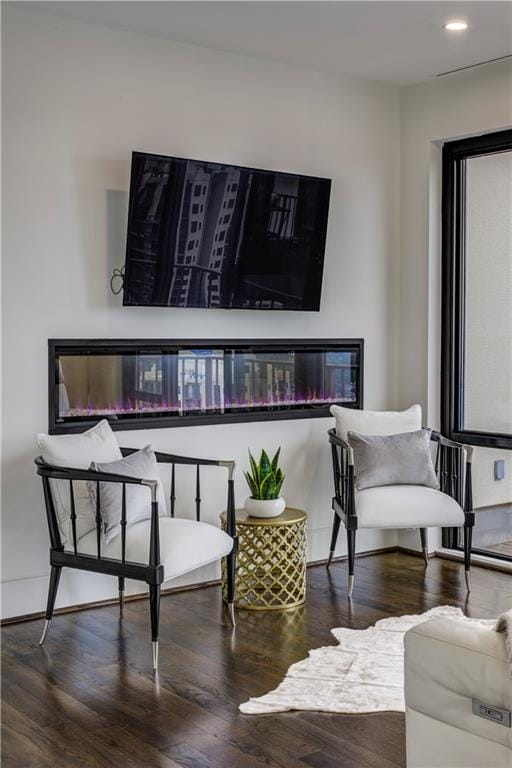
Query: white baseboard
[{"x": 27, "y": 596}]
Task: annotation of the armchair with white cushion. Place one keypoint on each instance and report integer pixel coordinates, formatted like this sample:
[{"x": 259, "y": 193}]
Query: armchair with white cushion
[
  {"x": 398, "y": 506},
  {"x": 104, "y": 516},
  {"x": 458, "y": 696}
]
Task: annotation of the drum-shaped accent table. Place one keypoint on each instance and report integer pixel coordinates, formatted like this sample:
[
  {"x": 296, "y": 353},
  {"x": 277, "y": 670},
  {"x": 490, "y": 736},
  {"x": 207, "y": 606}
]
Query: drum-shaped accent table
[{"x": 271, "y": 561}]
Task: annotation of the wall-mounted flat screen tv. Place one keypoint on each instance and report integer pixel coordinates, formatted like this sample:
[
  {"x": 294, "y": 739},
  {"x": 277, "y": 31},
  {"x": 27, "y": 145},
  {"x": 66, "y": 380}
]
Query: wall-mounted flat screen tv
[{"x": 204, "y": 234}]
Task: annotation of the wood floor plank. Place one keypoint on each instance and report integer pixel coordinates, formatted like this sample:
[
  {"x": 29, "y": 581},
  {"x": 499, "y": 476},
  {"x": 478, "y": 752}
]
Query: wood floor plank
[{"x": 90, "y": 700}]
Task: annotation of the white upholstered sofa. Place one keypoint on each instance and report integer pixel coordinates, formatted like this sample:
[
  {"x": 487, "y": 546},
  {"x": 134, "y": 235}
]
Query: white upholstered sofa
[{"x": 458, "y": 695}]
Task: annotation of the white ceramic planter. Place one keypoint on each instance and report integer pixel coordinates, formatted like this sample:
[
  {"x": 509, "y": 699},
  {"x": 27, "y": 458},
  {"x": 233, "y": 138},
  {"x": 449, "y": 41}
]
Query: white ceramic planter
[{"x": 264, "y": 507}]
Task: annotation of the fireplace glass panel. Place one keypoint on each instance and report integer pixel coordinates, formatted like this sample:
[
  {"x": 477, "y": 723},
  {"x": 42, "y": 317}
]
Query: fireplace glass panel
[{"x": 127, "y": 385}]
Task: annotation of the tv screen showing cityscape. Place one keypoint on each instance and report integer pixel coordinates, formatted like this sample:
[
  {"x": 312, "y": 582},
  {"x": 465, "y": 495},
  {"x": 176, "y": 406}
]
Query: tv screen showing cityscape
[{"x": 204, "y": 234}]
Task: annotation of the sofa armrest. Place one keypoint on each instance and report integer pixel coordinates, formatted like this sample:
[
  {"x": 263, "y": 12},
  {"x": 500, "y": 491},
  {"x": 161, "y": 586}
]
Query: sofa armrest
[{"x": 448, "y": 664}]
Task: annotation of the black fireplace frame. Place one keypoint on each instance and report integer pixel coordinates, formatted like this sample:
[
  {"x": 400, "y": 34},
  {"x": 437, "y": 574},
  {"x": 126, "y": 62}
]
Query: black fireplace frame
[{"x": 152, "y": 346}]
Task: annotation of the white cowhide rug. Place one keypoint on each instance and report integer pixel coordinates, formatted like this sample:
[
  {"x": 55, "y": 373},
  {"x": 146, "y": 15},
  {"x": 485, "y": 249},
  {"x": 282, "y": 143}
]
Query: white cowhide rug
[{"x": 363, "y": 674}]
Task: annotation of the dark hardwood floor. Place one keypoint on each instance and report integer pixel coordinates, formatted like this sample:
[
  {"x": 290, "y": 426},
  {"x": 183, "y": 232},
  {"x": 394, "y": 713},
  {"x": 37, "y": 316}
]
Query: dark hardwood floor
[{"x": 89, "y": 698}]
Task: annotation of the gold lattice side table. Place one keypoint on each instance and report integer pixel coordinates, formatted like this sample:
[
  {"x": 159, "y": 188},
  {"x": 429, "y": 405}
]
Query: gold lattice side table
[{"x": 271, "y": 561}]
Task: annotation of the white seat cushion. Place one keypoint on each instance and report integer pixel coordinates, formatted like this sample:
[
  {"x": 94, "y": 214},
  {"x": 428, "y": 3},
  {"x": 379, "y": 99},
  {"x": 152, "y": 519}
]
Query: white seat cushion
[
  {"x": 184, "y": 545},
  {"x": 406, "y": 506}
]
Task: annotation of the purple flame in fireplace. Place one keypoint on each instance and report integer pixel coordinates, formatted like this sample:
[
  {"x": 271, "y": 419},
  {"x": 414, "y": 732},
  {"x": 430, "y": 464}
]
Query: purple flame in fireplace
[{"x": 140, "y": 406}]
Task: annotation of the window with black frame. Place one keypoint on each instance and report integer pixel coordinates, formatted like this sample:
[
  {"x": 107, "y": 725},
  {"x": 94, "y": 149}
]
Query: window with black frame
[{"x": 476, "y": 371}]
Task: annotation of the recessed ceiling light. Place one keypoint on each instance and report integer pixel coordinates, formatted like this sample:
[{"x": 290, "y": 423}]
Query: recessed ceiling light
[{"x": 455, "y": 26}]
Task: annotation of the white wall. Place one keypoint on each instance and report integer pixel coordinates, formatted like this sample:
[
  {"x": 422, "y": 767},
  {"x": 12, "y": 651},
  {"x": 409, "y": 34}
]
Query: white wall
[
  {"x": 77, "y": 99},
  {"x": 468, "y": 103}
]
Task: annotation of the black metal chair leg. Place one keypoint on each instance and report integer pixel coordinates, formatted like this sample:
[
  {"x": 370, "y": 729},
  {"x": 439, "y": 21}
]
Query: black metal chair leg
[
  {"x": 468, "y": 537},
  {"x": 121, "y": 594},
  {"x": 351, "y": 545},
  {"x": 424, "y": 545},
  {"x": 50, "y": 605},
  {"x": 334, "y": 537},
  {"x": 230, "y": 573},
  {"x": 154, "y": 607}
]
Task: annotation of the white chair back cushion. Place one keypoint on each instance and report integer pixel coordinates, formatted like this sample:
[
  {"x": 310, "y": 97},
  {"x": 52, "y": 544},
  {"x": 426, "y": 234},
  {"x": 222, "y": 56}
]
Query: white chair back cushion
[
  {"x": 375, "y": 422},
  {"x": 97, "y": 444}
]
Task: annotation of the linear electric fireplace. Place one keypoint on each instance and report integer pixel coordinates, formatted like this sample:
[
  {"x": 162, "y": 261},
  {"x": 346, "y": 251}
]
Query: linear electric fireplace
[{"x": 152, "y": 383}]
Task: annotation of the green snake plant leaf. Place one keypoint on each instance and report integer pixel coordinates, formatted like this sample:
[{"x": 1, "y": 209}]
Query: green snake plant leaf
[
  {"x": 265, "y": 465},
  {"x": 255, "y": 469},
  {"x": 279, "y": 485},
  {"x": 266, "y": 486},
  {"x": 253, "y": 487},
  {"x": 275, "y": 460}
]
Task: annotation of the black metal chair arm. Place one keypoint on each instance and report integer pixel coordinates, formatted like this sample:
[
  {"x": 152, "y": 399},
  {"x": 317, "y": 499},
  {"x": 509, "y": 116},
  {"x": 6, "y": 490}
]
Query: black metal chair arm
[
  {"x": 335, "y": 440},
  {"x": 338, "y": 442},
  {"x": 453, "y": 480},
  {"x": 72, "y": 473},
  {"x": 171, "y": 458},
  {"x": 437, "y": 437}
]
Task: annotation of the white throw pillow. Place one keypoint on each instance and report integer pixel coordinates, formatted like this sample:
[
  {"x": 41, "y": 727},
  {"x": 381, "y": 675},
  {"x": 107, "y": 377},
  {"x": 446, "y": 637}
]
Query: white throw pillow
[
  {"x": 375, "y": 422},
  {"x": 97, "y": 444},
  {"x": 143, "y": 465}
]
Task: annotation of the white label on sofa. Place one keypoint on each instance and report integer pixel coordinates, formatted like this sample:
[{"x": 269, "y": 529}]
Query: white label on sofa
[{"x": 496, "y": 714}]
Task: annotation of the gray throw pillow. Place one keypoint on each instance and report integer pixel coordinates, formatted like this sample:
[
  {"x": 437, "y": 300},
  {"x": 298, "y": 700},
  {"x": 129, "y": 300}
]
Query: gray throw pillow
[
  {"x": 142, "y": 464},
  {"x": 403, "y": 459}
]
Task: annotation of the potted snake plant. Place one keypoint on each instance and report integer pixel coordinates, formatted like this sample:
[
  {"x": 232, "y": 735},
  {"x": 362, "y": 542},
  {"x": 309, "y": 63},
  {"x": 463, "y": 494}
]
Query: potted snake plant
[{"x": 265, "y": 481}]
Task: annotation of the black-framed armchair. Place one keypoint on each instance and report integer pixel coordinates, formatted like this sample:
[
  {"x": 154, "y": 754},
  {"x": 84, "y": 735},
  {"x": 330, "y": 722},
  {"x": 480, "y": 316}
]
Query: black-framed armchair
[
  {"x": 153, "y": 550},
  {"x": 403, "y": 506}
]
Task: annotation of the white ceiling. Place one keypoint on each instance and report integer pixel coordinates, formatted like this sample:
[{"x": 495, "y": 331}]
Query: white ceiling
[{"x": 397, "y": 42}]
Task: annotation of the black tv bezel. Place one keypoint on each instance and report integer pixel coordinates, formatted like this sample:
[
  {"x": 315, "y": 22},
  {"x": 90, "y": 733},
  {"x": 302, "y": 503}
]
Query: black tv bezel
[{"x": 321, "y": 244}]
